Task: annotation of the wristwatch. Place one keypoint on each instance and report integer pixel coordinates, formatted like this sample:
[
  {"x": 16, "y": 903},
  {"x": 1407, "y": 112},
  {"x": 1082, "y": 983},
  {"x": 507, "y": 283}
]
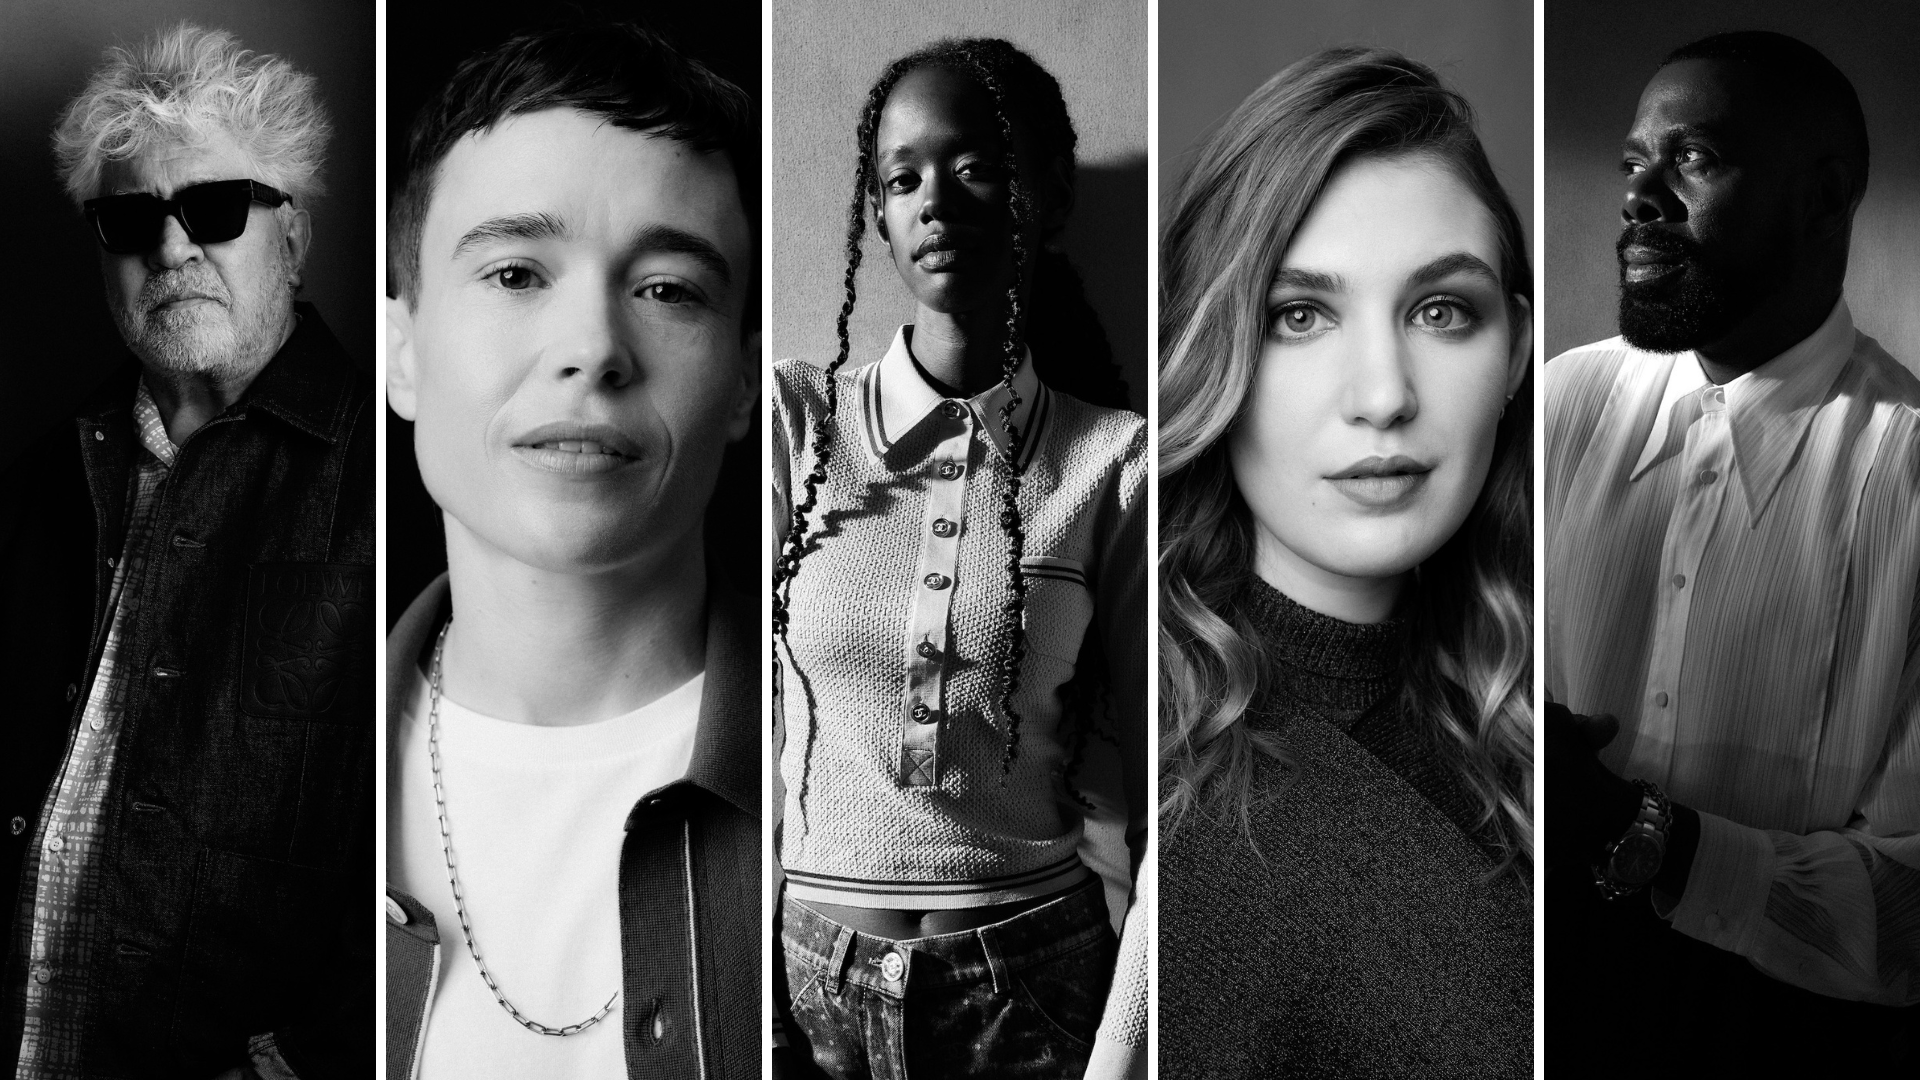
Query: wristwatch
[{"x": 1632, "y": 861}]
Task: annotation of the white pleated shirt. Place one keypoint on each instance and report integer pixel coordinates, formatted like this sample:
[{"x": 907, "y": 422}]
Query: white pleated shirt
[{"x": 1733, "y": 572}]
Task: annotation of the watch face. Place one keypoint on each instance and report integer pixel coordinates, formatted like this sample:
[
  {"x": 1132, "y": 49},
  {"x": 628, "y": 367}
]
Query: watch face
[{"x": 1636, "y": 860}]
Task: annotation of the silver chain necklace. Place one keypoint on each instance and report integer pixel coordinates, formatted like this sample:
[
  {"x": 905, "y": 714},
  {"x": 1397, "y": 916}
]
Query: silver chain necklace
[{"x": 453, "y": 876}]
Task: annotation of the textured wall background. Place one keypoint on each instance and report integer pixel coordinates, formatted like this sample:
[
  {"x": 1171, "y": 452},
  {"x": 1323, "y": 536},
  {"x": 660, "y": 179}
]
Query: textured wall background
[
  {"x": 59, "y": 340},
  {"x": 1213, "y": 53},
  {"x": 1600, "y": 55},
  {"x": 826, "y": 53}
]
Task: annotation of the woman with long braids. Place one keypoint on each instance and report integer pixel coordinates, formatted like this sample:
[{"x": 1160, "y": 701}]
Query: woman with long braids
[
  {"x": 959, "y": 606},
  {"x": 1345, "y": 568}
]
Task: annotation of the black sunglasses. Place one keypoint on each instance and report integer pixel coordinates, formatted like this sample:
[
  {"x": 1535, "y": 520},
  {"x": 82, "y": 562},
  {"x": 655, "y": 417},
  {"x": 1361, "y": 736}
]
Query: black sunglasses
[{"x": 210, "y": 213}]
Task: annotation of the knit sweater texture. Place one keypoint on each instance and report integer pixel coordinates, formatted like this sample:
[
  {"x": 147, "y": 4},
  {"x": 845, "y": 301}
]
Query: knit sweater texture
[
  {"x": 1362, "y": 940},
  {"x": 968, "y": 827}
]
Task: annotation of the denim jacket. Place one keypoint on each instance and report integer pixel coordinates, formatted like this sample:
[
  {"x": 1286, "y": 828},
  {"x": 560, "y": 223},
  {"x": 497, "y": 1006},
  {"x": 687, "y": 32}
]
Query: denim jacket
[
  {"x": 236, "y": 844},
  {"x": 690, "y": 876}
]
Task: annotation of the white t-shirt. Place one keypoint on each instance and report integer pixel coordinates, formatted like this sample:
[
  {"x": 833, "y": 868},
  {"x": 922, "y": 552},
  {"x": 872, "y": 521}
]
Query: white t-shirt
[{"x": 537, "y": 816}]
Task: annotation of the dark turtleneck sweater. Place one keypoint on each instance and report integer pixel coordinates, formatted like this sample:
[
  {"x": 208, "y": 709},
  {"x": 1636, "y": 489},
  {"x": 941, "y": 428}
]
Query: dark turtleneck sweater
[{"x": 1361, "y": 939}]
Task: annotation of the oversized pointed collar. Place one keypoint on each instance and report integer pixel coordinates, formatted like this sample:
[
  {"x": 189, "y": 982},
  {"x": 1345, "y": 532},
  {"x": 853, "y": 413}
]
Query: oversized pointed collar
[
  {"x": 1768, "y": 408},
  {"x": 896, "y": 399}
]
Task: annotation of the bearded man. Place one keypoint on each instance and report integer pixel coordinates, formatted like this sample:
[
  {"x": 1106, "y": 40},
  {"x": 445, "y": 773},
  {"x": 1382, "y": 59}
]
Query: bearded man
[
  {"x": 1733, "y": 555},
  {"x": 185, "y": 604}
]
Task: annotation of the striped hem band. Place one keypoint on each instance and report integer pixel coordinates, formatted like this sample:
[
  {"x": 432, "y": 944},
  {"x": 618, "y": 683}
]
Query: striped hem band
[{"x": 937, "y": 895}]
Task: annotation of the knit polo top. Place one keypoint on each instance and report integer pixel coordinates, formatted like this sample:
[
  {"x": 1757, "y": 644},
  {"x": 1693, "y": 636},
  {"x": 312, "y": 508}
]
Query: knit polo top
[
  {"x": 895, "y": 790},
  {"x": 1362, "y": 938}
]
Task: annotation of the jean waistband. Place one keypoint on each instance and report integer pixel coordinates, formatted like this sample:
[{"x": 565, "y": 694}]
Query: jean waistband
[{"x": 993, "y": 952}]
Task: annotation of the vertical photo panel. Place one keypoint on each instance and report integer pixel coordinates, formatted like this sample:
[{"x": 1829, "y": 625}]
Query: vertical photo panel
[
  {"x": 1345, "y": 548},
  {"x": 574, "y": 666},
  {"x": 1732, "y": 531},
  {"x": 960, "y": 474}
]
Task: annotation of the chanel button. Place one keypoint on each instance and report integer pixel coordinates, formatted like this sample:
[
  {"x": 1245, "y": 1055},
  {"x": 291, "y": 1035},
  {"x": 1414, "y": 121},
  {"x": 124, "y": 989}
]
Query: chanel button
[
  {"x": 1660, "y": 699},
  {"x": 893, "y": 966},
  {"x": 953, "y": 410},
  {"x": 927, "y": 649},
  {"x": 18, "y": 824},
  {"x": 99, "y": 436},
  {"x": 937, "y": 581},
  {"x": 920, "y": 712},
  {"x": 55, "y": 843},
  {"x": 71, "y": 691},
  {"x": 42, "y": 974},
  {"x": 396, "y": 912},
  {"x": 943, "y": 527},
  {"x": 949, "y": 470},
  {"x": 1708, "y": 476},
  {"x": 1679, "y": 581}
]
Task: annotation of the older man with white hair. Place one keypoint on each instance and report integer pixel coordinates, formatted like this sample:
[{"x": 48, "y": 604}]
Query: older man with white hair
[{"x": 186, "y": 628}]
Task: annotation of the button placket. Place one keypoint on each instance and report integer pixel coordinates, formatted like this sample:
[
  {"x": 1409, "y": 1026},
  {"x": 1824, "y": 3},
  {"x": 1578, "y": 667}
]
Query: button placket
[
  {"x": 1696, "y": 510},
  {"x": 927, "y": 644}
]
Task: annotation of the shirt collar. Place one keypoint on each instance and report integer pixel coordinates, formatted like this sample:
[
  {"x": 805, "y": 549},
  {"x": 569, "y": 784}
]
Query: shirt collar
[
  {"x": 895, "y": 399},
  {"x": 150, "y": 427},
  {"x": 1768, "y": 408}
]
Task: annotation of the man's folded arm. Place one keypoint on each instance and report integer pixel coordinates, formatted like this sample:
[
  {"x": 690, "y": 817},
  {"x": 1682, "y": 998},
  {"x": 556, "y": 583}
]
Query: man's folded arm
[{"x": 1835, "y": 911}]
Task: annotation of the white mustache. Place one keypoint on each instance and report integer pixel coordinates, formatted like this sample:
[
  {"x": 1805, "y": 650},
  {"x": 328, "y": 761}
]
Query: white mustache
[{"x": 179, "y": 284}]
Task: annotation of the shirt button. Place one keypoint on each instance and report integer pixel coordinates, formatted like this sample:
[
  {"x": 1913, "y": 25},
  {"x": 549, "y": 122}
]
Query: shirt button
[
  {"x": 1660, "y": 699},
  {"x": 1708, "y": 476},
  {"x": 949, "y": 470},
  {"x": 72, "y": 691},
  {"x": 55, "y": 843},
  {"x": 99, "y": 436},
  {"x": 42, "y": 974},
  {"x": 18, "y": 824},
  {"x": 96, "y": 723},
  {"x": 1679, "y": 581},
  {"x": 920, "y": 713},
  {"x": 953, "y": 410},
  {"x": 112, "y": 562},
  {"x": 937, "y": 581},
  {"x": 892, "y": 966},
  {"x": 943, "y": 527},
  {"x": 395, "y": 912},
  {"x": 927, "y": 649}
]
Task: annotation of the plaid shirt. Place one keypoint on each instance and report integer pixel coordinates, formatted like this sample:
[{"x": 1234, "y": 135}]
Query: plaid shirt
[{"x": 63, "y": 863}]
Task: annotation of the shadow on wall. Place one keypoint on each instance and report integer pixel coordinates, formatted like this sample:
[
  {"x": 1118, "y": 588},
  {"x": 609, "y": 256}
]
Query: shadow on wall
[{"x": 1107, "y": 242}]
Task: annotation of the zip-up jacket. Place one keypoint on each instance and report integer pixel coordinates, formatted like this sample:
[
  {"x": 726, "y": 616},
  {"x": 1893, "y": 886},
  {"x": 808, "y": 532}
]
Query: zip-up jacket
[{"x": 689, "y": 877}]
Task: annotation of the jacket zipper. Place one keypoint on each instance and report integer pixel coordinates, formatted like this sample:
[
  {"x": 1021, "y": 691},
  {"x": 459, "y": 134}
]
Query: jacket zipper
[{"x": 693, "y": 948}]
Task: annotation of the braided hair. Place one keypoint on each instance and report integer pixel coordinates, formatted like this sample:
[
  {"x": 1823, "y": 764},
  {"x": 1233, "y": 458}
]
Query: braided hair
[{"x": 1070, "y": 350}]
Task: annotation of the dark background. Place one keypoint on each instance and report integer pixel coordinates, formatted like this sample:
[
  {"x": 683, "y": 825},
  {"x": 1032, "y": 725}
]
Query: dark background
[
  {"x": 423, "y": 49},
  {"x": 1213, "y": 53},
  {"x": 1599, "y": 57},
  {"x": 59, "y": 339}
]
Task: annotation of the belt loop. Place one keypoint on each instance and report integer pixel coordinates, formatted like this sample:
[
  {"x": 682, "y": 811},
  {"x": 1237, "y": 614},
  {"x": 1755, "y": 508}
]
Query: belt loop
[
  {"x": 837, "y": 965},
  {"x": 996, "y": 962}
]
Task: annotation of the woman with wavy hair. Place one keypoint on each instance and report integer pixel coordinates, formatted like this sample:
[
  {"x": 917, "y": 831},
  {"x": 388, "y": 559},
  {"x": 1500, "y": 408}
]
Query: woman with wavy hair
[
  {"x": 1345, "y": 564},
  {"x": 959, "y": 604}
]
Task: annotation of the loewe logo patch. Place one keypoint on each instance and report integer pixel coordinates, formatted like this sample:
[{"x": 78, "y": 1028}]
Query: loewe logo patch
[{"x": 309, "y": 631}]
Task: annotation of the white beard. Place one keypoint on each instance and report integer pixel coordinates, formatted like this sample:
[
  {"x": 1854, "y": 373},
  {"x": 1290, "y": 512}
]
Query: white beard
[{"x": 234, "y": 336}]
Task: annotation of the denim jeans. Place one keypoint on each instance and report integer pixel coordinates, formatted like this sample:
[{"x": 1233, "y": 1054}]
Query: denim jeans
[{"x": 1018, "y": 998}]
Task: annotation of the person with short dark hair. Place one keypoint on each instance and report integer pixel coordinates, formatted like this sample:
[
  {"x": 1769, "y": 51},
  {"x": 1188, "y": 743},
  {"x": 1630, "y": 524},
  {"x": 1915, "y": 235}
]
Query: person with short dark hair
[
  {"x": 186, "y": 611},
  {"x": 573, "y": 853},
  {"x": 1733, "y": 537}
]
